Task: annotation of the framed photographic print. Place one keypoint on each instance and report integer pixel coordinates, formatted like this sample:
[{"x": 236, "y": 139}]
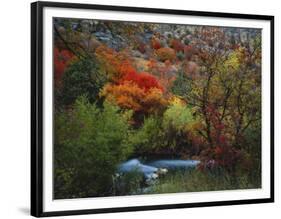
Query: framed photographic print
[{"x": 143, "y": 108}]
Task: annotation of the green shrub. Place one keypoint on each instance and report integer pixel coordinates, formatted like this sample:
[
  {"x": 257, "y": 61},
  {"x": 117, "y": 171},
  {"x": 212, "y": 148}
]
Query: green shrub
[
  {"x": 149, "y": 136},
  {"x": 177, "y": 116},
  {"x": 82, "y": 77},
  {"x": 252, "y": 146},
  {"x": 187, "y": 41},
  {"x": 180, "y": 56},
  {"x": 89, "y": 144},
  {"x": 164, "y": 133},
  {"x": 182, "y": 85}
]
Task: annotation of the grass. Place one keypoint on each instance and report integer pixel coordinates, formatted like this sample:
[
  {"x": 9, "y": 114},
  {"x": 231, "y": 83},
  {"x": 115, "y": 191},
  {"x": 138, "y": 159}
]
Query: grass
[{"x": 196, "y": 181}]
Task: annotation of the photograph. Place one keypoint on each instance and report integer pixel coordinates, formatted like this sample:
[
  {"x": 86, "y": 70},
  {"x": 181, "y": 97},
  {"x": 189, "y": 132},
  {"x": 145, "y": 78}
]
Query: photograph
[
  {"x": 150, "y": 108},
  {"x": 139, "y": 109}
]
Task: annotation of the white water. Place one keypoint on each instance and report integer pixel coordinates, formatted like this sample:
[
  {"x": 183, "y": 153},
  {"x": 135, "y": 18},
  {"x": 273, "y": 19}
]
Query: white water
[{"x": 153, "y": 168}]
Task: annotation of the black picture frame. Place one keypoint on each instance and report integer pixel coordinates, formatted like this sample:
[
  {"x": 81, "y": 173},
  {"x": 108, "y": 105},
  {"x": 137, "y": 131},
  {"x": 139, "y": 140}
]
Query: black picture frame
[{"x": 37, "y": 107}]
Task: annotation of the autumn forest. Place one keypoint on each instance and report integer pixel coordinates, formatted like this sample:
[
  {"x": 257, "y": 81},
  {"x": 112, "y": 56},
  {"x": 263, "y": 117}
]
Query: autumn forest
[{"x": 146, "y": 108}]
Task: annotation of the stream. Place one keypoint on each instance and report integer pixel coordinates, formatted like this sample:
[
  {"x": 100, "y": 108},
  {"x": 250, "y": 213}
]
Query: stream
[{"x": 153, "y": 169}]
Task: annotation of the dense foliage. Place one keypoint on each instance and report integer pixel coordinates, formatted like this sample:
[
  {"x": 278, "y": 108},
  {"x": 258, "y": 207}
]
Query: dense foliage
[
  {"x": 130, "y": 89},
  {"x": 90, "y": 142}
]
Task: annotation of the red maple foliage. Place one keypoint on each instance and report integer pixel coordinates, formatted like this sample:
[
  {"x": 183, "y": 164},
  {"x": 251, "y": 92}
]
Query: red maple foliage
[
  {"x": 144, "y": 80},
  {"x": 61, "y": 59},
  {"x": 223, "y": 154}
]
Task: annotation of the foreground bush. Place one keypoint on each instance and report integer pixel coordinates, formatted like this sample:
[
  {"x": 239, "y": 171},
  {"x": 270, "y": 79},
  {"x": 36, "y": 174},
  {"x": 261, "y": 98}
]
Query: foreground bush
[
  {"x": 89, "y": 144},
  {"x": 167, "y": 133}
]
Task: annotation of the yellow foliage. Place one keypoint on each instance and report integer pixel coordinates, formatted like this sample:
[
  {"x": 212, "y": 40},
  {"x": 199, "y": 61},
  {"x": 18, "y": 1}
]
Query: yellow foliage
[{"x": 175, "y": 100}]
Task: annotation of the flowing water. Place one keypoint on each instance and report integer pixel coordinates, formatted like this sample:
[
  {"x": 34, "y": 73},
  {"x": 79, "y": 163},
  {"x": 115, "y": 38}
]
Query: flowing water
[{"x": 152, "y": 169}]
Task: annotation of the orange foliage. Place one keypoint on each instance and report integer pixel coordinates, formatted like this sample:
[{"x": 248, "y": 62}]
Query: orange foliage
[
  {"x": 129, "y": 95},
  {"x": 154, "y": 101},
  {"x": 115, "y": 64},
  {"x": 166, "y": 54},
  {"x": 129, "y": 89},
  {"x": 126, "y": 95},
  {"x": 119, "y": 68}
]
